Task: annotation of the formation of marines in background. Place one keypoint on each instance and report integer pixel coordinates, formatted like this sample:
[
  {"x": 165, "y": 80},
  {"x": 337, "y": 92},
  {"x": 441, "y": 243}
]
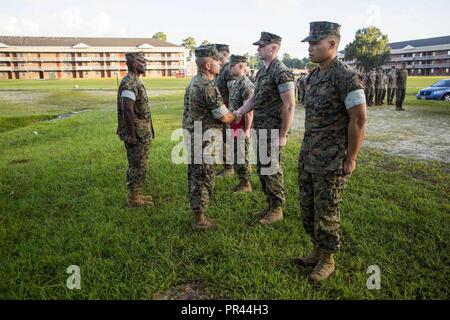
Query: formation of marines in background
[
  {"x": 382, "y": 85},
  {"x": 225, "y": 97}
]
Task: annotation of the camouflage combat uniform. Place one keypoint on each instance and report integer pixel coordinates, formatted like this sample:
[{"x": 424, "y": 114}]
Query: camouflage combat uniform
[
  {"x": 241, "y": 90},
  {"x": 370, "y": 87},
  {"x": 384, "y": 87},
  {"x": 402, "y": 78},
  {"x": 378, "y": 87},
  {"x": 201, "y": 99},
  {"x": 301, "y": 89},
  {"x": 320, "y": 167},
  {"x": 392, "y": 86},
  {"x": 270, "y": 82},
  {"x": 224, "y": 82},
  {"x": 137, "y": 154}
]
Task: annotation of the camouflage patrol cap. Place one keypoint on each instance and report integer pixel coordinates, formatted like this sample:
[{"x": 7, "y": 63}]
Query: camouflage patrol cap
[
  {"x": 207, "y": 51},
  {"x": 268, "y": 38},
  {"x": 322, "y": 29},
  {"x": 222, "y": 47},
  {"x": 235, "y": 59},
  {"x": 133, "y": 56}
]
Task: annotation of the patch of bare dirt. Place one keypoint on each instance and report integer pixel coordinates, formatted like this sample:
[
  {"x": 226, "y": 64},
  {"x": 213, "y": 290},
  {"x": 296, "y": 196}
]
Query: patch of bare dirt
[{"x": 190, "y": 291}]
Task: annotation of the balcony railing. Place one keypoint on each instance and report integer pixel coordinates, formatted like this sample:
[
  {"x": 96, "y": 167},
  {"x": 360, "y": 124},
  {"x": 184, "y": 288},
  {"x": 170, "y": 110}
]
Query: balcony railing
[
  {"x": 440, "y": 57},
  {"x": 83, "y": 68}
]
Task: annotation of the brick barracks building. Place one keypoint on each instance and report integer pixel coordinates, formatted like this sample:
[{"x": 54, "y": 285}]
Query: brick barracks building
[
  {"x": 423, "y": 57},
  {"x": 85, "y": 58}
]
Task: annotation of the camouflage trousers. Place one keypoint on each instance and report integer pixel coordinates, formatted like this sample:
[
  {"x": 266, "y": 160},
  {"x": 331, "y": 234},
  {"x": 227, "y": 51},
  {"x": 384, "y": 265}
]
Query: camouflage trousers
[
  {"x": 137, "y": 164},
  {"x": 390, "y": 95},
  {"x": 320, "y": 197},
  {"x": 400, "y": 98},
  {"x": 226, "y": 136},
  {"x": 272, "y": 184},
  {"x": 370, "y": 95},
  {"x": 383, "y": 95},
  {"x": 378, "y": 95},
  {"x": 241, "y": 158},
  {"x": 201, "y": 178}
]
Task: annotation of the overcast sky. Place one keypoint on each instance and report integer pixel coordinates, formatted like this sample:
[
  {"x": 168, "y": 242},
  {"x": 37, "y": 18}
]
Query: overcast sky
[{"x": 236, "y": 22}]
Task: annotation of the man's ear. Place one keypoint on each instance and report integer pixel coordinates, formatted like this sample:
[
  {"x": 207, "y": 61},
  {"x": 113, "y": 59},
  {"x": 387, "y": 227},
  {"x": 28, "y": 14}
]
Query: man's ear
[
  {"x": 208, "y": 65},
  {"x": 332, "y": 43}
]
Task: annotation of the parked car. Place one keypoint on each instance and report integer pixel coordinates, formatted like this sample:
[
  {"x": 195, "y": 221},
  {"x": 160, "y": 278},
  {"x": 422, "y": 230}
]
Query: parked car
[{"x": 438, "y": 91}]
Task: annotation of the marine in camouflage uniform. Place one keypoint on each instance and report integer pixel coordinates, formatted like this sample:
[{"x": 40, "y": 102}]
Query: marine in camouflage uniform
[
  {"x": 384, "y": 87},
  {"x": 402, "y": 78},
  {"x": 271, "y": 82},
  {"x": 203, "y": 105},
  {"x": 392, "y": 85},
  {"x": 241, "y": 90},
  {"x": 370, "y": 87},
  {"x": 330, "y": 93},
  {"x": 132, "y": 93},
  {"x": 378, "y": 86},
  {"x": 224, "y": 81}
]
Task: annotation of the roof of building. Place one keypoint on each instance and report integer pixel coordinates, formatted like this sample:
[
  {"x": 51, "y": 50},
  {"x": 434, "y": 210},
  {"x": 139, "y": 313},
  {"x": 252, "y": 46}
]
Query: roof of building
[
  {"x": 428, "y": 42},
  {"x": 14, "y": 41},
  {"x": 437, "y": 41}
]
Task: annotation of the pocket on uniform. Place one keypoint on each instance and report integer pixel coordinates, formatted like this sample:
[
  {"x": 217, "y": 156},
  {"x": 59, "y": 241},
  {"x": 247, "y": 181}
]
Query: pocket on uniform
[{"x": 143, "y": 129}]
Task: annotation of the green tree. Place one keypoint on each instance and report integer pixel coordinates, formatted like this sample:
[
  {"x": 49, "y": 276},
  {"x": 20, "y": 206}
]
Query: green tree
[
  {"x": 253, "y": 61},
  {"x": 297, "y": 63},
  {"x": 189, "y": 43},
  {"x": 205, "y": 42},
  {"x": 160, "y": 36},
  {"x": 287, "y": 60},
  {"x": 370, "y": 48}
]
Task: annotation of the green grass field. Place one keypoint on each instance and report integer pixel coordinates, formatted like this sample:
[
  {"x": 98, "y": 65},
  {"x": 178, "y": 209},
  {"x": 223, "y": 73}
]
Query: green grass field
[{"x": 62, "y": 203}]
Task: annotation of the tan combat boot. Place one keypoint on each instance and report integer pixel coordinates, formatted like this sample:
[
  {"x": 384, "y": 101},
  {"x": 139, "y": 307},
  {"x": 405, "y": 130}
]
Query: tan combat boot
[
  {"x": 309, "y": 261},
  {"x": 275, "y": 215},
  {"x": 243, "y": 187},
  {"x": 201, "y": 223},
  {"x": 136, "y": 201},
  {"x": 324, "y": 268},
  {"x": 144, "y": 197}
]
